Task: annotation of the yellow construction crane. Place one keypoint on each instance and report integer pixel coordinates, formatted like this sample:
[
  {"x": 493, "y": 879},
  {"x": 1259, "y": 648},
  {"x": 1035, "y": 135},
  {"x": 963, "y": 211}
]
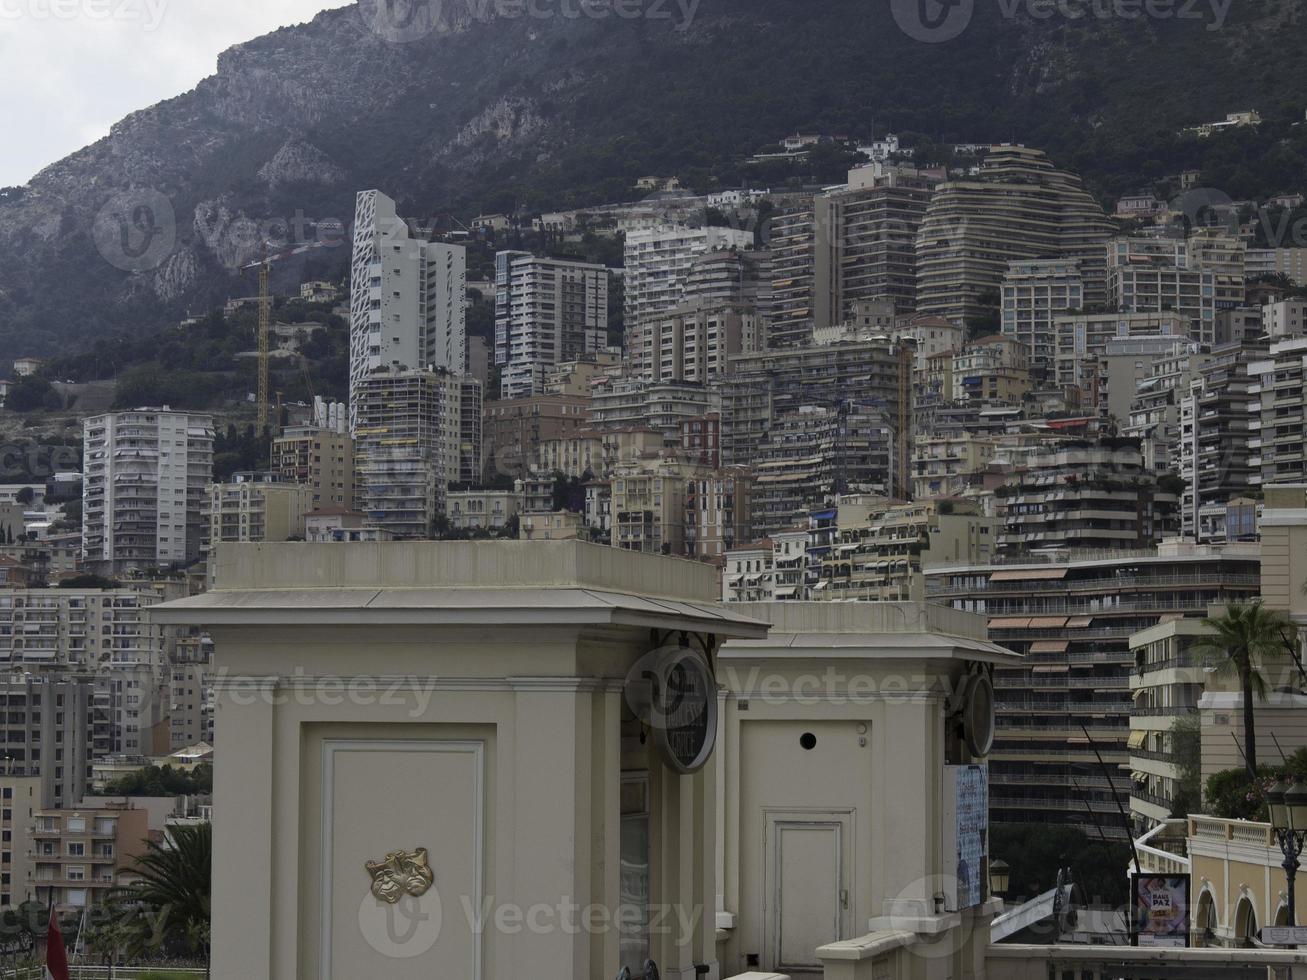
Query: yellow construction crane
[
  {"x": 265, "y": 328},
  {"x": 264, "y": 265}
]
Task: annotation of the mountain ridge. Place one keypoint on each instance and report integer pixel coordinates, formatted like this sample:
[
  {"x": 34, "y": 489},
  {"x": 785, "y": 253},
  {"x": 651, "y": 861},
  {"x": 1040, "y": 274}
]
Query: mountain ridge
[{"x": 492, "y": 113}]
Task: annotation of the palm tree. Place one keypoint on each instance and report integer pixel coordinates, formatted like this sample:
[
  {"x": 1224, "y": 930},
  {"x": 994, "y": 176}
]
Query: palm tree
[
  {"x": 167, "y": 909},
  {"x": 1245, "y": 636}
]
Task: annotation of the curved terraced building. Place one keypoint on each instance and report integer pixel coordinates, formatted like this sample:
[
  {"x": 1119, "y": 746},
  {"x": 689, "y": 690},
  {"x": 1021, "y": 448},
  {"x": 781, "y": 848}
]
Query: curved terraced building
[{"x": 1019, "y": 207}]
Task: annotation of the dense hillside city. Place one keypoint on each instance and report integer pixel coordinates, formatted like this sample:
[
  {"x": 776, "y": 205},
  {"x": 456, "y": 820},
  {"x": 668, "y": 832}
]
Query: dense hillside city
[{"x": 1022, "y": 431}]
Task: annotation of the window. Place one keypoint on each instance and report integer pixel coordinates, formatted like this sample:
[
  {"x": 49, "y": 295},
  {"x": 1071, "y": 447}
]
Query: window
[{"x": 76, "y": 849}]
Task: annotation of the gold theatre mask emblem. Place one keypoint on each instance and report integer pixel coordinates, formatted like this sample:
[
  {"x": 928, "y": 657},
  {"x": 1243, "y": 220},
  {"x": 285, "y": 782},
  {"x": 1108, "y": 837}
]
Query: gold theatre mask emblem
[{"x": 401, "y": 873}]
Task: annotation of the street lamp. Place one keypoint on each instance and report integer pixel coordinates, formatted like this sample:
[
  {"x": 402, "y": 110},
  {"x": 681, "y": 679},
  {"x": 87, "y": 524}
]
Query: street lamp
[
  {"x": 999, "y": 877},
  {"x": 1288, "y": 806}
]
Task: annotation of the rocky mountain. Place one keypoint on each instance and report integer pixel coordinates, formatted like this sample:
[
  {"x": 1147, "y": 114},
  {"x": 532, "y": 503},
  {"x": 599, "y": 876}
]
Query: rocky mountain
[{"x": 464, "y": 106}]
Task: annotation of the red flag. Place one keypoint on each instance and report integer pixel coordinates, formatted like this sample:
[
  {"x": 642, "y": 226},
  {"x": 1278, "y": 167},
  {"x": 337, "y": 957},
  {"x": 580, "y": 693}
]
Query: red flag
[{"x": 56, "y": 957}]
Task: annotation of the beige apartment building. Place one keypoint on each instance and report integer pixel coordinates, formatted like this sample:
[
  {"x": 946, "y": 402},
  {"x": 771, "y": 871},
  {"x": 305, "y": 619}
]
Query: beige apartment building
[
  {"x": 575, "y": 377},
  {"x": 491, "y": 510},
  {"x": 941, "y": 464},
  {"x": 677, "y": 508},
  {"x": 1081, "y": 340},
  {"x": 20, "y": 799},
  {"x": 322, "y": 459},
  {"x": 880, "y": 558},
  {"x": 515, "y": 430},
  {"x": 631, "y": 403},
  {"x": 993, "y": 371},
  {"x": 693, "y": 342},
  {"x": 252, "y": 511},
  {"x": 1156, "y": 276},
  {"x": 561, "y": 525},
  {"x": 79, "y": 629},
  {"x": 81, "y": 856},
  {"x": 417, "y": 432},
  {"x": 598, "y": 451},
  {"x": 1226, "y": 257}
]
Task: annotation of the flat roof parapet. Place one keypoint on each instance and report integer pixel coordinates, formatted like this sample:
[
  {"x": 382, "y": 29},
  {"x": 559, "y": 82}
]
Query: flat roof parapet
[{"x": 460, "y": 565}]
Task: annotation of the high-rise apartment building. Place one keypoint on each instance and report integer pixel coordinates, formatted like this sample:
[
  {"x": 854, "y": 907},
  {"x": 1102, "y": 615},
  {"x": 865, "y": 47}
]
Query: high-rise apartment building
[
  {"x": 1081, "y": 339},
  {"x": 1220, "y": 421},
  {"x": 659, "y": 260},
  {"x": 1126, "y": 369},
  {"x": 319, "y": 458},
  {"x": 792, "y": 241},
  {"x": 410, "y": 444},
  {"x": 865, "y": 243},
  {"x": 1018, "y": 207},
  {"x": 851, "y": 244},
  {"x": 813, "y": 454},
  {"x": 1163, "y": 371},
  {"x": 1035, "y": 293},
  {"x": 1147, "y": 275},
  {"x": 1072, "y": 614},
  {"x": 731, "y": 277},
  {"x": 20, "y": 798},
  {"x": 546, "y": 311},
  {"x": 79, "y": 629},
  {"x": 762, "y": 389},
  {"x": 693, "y": 342},
  {"x": 662, "y": 406},
  {"x": 144, "y": 491},
  {"x": 47, "y": 728},
  {"x": 190, "y": 705},
  {"x": 1083, "y": 497},
  {"x": 1226, "y": 257},
  {"x": 1282, "y": 381},
  {"x": 408, "y": 298}
]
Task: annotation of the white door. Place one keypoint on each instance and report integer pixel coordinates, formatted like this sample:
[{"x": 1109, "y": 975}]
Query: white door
[{"x": 807, "y": 889}]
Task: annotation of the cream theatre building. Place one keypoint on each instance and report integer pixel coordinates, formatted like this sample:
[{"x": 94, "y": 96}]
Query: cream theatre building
[{"x": 558, "y": 760}]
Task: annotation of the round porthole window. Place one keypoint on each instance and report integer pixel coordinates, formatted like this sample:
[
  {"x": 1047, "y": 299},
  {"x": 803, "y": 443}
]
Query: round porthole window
[
  {"x": 808, "y": 741},
  {"x": 978, "y": 716}
]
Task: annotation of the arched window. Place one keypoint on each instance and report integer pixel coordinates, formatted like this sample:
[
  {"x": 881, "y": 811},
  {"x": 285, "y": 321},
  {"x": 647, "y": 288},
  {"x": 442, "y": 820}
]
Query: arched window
[
  {"x": 1245, "y": 923},
  {"x": 1205, "y": 922}
]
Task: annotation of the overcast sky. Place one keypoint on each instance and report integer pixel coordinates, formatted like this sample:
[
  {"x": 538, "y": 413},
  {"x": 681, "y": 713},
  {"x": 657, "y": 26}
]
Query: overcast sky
[{"x": 69, "y": 69}]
